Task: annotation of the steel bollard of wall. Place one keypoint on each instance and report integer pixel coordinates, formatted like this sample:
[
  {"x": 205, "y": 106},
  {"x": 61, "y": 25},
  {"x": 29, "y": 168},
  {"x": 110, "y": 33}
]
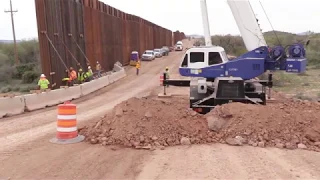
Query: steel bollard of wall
[{"x": 67, "y": 132}]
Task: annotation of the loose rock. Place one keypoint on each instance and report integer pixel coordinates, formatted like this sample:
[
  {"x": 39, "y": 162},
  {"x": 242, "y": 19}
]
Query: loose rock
[
  {"x": 241, "y": 139},
  {"x": 148, "y": 147},
  {"x": 280, "y": 145},
  {"x": 215, "y": 124},
  {"x": 154, "y": 138},
  {"x": 290, "y": 146},
  {"x": 119, "y": 112},
  {"x": 261, "y": 144},
  {"x": 234, "y": 141},
  {"x": 148, "y": 114},
  {"x": 93, "y": 141},
  {"x": 302, "y": 146},
  {"x": 142, "y": 139},
  {"x": 185, "y": 141}
]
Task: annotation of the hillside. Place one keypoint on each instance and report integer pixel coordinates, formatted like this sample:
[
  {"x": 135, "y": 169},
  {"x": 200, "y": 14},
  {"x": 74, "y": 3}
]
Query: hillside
[
  {"x": 279, "y": 33},
  {"x": 8, "y": 41}
]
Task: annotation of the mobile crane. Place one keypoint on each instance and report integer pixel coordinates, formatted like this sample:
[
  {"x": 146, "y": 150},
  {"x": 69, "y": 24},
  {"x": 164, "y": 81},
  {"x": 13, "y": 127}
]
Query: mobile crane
[{"x": 215, "y": 80}]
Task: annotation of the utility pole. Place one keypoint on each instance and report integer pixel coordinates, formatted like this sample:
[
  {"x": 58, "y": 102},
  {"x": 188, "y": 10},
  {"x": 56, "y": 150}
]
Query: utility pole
[{"x": 14, "y": 33}]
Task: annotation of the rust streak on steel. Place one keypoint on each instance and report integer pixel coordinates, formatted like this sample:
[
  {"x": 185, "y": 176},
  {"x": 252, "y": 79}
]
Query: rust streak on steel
[{"x": 93, "y": 31}]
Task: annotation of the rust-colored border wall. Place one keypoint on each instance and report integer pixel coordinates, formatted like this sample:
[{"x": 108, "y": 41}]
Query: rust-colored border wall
[{"x": 90, "y": 27}]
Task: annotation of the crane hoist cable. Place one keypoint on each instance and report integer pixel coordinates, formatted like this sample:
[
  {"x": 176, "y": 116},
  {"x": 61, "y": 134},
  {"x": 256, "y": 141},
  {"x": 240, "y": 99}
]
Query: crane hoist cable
[
  {"x": 270, "y": 23},
  {"x": 54, "y": 48},
  {"x": 74, "y": 58},
  {"x": 88, "y": 62},
  {"x": 239, "y": 14}
]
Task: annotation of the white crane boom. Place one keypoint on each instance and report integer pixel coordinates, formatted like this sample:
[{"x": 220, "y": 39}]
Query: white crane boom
[
  {"x": 205, "y": 22},
  {"x": 247, "y": 24}
]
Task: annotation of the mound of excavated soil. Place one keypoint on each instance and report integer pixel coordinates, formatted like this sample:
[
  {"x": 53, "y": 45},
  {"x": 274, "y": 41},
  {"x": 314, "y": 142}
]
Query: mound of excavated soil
[{"x": 151, "y": 122}]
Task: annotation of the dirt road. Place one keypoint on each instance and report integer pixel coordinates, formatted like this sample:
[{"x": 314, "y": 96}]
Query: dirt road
[{"x": 25, "y": 151}]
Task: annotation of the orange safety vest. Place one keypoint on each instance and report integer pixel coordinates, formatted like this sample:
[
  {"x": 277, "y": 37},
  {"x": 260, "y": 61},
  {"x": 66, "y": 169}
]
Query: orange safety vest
[{"x": 73, "y": 75}]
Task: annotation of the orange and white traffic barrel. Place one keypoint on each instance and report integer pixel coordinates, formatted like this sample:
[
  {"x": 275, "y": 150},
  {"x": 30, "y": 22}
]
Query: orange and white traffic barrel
[
  {"x": 161, "y": 80},
  {"x": 67, "y": 131}
]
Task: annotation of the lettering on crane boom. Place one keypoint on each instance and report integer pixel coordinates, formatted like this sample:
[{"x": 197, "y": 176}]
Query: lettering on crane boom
[{"x": 233, "y": 69}]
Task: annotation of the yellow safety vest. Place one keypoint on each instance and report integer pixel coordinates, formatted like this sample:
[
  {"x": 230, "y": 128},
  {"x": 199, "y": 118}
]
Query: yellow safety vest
[
  {"x": 43, "y": 83},
  {"x": 138, "y": 65}
]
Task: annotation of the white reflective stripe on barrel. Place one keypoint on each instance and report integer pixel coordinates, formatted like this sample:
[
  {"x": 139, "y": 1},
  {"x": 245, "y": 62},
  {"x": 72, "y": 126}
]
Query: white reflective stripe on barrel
[
  {"x": 71, "y": 129},
  {"x": 67, "y": 117}
]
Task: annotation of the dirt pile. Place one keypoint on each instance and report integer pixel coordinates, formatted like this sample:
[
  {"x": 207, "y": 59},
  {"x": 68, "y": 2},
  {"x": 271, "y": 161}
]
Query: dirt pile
[
  {"x": 150, "y": 122},
  {"x": 292, "y": 124}
]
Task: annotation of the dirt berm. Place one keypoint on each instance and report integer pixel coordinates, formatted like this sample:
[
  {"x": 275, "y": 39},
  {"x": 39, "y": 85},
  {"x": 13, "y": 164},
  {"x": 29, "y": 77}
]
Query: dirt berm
[{"x": 151, "y": 123}]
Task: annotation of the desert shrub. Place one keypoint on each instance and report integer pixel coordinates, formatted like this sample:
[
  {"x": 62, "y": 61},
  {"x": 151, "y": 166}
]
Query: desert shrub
[
  {"x": 29, "y": 76},
  {"x": 6, "y": 72}
]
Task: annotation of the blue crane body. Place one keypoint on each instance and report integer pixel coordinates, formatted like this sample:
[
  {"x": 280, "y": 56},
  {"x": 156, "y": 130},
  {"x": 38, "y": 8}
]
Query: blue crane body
[
  {"x": 216, "y": 80},
  {"x": 254, "y": 63}
]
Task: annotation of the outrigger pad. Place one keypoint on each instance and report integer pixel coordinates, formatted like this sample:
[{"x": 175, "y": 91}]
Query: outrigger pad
[{"x": 161, "y": 95}]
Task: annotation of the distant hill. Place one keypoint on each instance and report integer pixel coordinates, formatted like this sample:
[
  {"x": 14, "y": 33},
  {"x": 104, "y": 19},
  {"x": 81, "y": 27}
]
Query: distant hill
[
  {"x": 305, "y": 33},
  {"x": 279, "y": 33},
  {"x": 8, "y": 41},
  {"x": 197, "y": 36}
]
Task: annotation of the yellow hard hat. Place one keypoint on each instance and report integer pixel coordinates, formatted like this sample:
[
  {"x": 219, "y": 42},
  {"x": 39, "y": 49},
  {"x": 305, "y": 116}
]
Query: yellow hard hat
[{"x": 80, "y": 69}]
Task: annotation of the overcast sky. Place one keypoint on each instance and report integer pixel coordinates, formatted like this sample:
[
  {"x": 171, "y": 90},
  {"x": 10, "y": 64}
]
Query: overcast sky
[{"x": 286, "y": 15}]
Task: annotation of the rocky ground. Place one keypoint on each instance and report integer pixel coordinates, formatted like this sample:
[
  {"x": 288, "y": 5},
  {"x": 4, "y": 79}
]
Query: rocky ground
[{"x": 151, "y": 123}]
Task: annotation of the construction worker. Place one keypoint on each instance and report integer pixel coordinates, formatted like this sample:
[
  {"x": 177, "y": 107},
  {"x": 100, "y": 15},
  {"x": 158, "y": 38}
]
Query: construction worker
[
  {"x": 43, "y": 82},
  {"x": 81, "y": 76},
  {"x": 90, "y": 71},
  {"x": 167, "y": 72},
  {"x": 89, "y": 75},
  {"x": 98, "y": 69},
  {"x": 66, "y": 79},
  {"x": 72, "y": 76},
  {"x": 138, "y": 65}
]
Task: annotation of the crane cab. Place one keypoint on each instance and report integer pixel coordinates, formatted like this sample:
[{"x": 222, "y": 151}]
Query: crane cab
[{"x": 197, "y": 58}]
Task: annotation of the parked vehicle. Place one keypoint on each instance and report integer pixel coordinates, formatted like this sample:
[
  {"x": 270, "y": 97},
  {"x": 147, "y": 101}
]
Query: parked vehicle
[
  {"x": 157, "y": 53},
  {"x": 163, "y": 52},
  {"x": 166, "y": 50},
  {"x": 148, "y": 55},
  {"x": 179, "y": 47},
  {"x": 179, "y": 43}
]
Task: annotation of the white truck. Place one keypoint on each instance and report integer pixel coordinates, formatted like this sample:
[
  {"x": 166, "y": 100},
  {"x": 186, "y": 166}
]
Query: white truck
[{"x": 179, "y": 46}]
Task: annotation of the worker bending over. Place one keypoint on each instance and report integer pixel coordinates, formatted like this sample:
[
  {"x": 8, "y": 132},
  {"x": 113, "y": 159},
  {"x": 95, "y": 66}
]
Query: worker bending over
[
  {"x": 138, "y": 65},
  {"x": 72, "y": 76},
  {"x": 43, "y": 82}
]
